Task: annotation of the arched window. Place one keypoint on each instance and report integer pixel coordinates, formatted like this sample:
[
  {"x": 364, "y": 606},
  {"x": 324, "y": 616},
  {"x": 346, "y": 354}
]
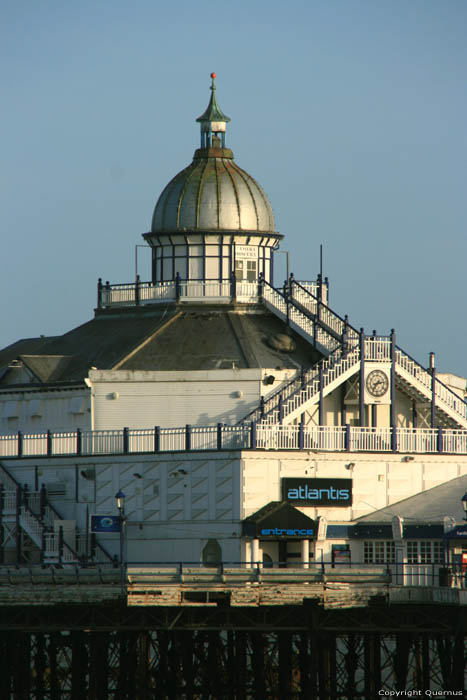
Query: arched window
[{"x": 212, "y": 553}]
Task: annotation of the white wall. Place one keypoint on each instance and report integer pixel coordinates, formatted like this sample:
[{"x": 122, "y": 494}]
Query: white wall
[
  {"x": 39, "y": 411},
  {"x": 137, "y": 399},
  {"x": 378, "y": 479}
]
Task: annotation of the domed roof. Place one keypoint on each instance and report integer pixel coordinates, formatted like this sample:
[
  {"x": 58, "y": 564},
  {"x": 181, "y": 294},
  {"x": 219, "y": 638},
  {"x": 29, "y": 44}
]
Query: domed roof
[{"x": 213, "y": 193}]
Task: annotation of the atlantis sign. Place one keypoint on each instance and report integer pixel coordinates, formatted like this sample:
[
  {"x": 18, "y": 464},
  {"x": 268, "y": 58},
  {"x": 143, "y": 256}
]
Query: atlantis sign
[{"x": 333, "y": 493}]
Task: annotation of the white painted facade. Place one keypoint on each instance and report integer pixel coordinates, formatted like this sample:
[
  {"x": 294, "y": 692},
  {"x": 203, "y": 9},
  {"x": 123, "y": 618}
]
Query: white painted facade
[
  {"x": 144, "y": 399},
  {"x": 176, "y": 503},
  {"x": 35, "y": 411}
]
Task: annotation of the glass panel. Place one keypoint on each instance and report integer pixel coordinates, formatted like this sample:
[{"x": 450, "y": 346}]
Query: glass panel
[
  {"x": 412, "y": 553},
  {"x": 180, "y": 267},
  {"x": 196, "y": 250},
  {"x": 212, "y": 268},
  {"x": 196, "y": 269},
  {"x": 251, "y": 270},
  {"x": 167, "y": 269}
]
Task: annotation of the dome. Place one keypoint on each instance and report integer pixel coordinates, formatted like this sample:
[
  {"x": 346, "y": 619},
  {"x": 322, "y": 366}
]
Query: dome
[{"x": 213, "y": 194}]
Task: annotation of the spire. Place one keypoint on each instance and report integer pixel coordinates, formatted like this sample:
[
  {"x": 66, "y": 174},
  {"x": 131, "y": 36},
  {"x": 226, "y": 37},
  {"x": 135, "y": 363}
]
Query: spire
[{"x": 213, "y": 121}]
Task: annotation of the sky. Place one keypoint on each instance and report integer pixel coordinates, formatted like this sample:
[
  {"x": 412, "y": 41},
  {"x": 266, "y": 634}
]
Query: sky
[{"x": 350, "y": 113}]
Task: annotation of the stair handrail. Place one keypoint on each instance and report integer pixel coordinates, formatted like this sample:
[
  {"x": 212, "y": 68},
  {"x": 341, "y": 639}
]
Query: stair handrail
[
  {"x": 302, "y": 379},
  {"x": 49, "y": 506},
  {"x": 456, "y": 397},
  {"x": 321, "y": 303},
  {"x": 328, "y": 364},
  {"x": 289, "y": 301}
]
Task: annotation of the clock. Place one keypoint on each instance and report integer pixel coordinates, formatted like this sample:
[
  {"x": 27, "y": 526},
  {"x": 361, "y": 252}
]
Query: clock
[{"x": 377, "y": 383}]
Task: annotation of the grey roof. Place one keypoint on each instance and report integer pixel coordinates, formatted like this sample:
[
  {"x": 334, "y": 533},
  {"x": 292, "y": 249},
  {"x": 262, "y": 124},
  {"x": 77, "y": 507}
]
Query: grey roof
[
  {"x": 213, "y": 194},
  {"x": 24, "y": 346},
  {"x": 431, "y": 505},
  {"x": 172, "y": 338},
  {"x": 209, "y": 338}
]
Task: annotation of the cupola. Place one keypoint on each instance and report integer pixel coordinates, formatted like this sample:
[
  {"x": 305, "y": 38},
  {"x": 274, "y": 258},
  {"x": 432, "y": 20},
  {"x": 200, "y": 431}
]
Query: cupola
[{"x": 213, "y": 216}]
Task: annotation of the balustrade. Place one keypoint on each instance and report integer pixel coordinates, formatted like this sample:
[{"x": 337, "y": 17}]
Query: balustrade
[{"x": 244, "y": 436}]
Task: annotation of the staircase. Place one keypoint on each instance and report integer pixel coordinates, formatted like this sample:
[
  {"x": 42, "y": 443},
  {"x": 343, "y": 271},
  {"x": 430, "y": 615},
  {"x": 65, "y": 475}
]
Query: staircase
[
  {"x": 287, "y": 404},
  {"x": 36, "y": 519},
  {"x": 314, "y": 321},
  {"x": 335, "y": 338},
  {"x": 451, "y": 410}
]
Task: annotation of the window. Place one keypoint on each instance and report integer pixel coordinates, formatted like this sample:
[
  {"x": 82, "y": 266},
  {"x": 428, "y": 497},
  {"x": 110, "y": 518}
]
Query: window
[
  {"x": 251, "y": 270},
  {"x": 424, "y": 552},
  {"x": 245, "y": 270},
  {"x": 379, "y": 552}
]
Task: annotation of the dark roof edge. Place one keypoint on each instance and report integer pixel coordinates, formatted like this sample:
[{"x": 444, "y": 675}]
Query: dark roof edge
[{"x": 13, "y": 388}]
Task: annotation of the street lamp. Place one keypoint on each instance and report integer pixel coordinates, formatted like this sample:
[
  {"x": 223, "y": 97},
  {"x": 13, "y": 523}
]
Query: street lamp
[
  {"x": 464, "y": 504},
  {"x": 120, "y": 498}
]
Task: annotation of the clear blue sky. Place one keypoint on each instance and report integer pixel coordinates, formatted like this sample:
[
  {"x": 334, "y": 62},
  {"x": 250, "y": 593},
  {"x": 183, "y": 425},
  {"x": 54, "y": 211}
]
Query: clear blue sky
[{"x": 350, "y": 113}]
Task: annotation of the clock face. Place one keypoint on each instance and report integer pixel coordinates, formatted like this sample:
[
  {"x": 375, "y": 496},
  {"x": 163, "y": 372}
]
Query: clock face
[{"x": 377, "y": 383}]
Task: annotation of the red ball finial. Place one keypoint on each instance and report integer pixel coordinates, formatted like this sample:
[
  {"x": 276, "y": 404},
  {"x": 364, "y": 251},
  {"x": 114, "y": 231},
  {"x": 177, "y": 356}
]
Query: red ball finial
[{"x": 213, "y": 75}]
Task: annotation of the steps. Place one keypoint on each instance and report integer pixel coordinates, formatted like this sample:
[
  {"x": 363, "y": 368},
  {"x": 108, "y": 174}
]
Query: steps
[
  {"x": 37, "y": 520},
  {"x": 305, "y": 389},
  {"x": 333, "y": 336},
  {"x": 449, "y": 404}
]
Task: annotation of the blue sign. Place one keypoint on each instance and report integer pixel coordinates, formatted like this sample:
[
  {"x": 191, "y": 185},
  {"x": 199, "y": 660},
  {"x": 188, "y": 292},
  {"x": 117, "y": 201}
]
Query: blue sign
[
  {"x": 286, "y": 532},
  {"x": 317, "y": 492},
  {"x": 106, "y": 523}
]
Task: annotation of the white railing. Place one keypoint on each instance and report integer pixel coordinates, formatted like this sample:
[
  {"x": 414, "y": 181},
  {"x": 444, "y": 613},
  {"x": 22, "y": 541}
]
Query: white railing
[
  {"x": 420, "y": 440},
  {"x": 9, "y": 502},
  {"x": 445, "y": 398},
  {"x": 281, "y": 437},
  {"x": 34, "y": 444},
  {"x": 313, "y": 288},
  {"x": 300, "y": 390},
  {"x": 141, "y": 440},
  {"x": 152, "y": 293},
  {"x": 9, "y": 449},
  {"x": 268, "y": 436},
  {"x": 236, "y": 437},
  {"x": 101, "y": 442},
  {"x": 52, "y": 549},
  {"x": 63, "y": 442},
  {"x": 32, "y": 526},
  {"x": 378, "y": 349},
  {"x": 203, "y": 438},
  {"x": 370, "y": 439},
  {"x": 173, "y": 440}
]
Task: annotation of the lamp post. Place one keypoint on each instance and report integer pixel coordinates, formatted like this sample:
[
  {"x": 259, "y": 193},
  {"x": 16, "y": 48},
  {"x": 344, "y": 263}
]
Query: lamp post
[
  {"x": 120, "y": 498},
  {"x": 464, "y": 504}
]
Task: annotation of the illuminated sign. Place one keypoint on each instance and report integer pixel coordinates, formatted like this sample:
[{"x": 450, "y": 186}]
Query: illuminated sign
[
  {"x": 286, "y": 532},
  {"x": 318, "y": 492},
  {"x": 105, "y": 523}
]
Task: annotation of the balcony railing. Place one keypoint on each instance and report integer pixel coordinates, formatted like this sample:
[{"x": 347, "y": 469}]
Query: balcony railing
[
  {"x": 141, "y": 293},
  {"x": 234, "y": 437}
]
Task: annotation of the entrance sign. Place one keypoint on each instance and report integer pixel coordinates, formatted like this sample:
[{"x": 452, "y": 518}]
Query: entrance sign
[{"x": 318, "y": 492}]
